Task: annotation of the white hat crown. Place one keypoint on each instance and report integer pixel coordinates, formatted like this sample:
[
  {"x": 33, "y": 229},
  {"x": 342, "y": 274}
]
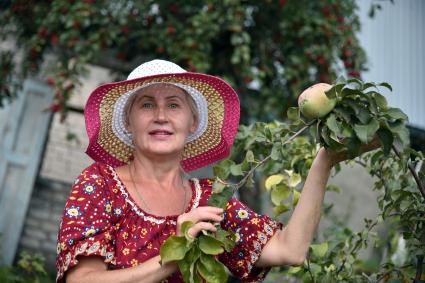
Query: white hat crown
[{"x": 155, "y": 67}]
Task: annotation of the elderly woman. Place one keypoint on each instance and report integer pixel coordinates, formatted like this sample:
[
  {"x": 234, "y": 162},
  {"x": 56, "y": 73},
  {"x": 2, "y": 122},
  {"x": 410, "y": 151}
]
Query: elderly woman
[{"x": 144, "y": 134}]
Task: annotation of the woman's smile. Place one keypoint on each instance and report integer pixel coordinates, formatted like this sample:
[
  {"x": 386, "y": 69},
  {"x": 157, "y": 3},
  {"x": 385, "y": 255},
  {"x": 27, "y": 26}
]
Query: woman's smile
[{"x": 161, "y": 134}]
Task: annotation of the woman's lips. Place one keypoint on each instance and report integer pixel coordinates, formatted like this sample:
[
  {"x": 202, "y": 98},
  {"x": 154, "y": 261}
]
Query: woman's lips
[{"x": 160, "y": 133}]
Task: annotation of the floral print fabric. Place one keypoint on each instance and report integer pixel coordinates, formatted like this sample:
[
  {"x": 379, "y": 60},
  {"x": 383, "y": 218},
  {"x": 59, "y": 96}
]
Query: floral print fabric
[{"x": 101, "y": 218}]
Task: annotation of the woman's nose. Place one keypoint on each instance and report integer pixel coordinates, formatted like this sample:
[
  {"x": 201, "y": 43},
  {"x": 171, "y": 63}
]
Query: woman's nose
[{"x": 161, "y": 115}]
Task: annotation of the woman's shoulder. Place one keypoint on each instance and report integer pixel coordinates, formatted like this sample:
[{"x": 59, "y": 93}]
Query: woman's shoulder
[
  {"x": 97, "y": 176},
  {"x": 96, "y": 170}
]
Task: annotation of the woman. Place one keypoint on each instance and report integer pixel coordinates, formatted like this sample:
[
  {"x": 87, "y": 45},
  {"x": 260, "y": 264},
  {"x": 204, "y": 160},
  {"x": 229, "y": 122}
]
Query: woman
[{"x": 144, "y": 133}]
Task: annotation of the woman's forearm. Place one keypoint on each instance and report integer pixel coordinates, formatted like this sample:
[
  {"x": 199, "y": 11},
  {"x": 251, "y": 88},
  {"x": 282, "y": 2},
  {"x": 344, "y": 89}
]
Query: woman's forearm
[
  {"x": 93, "y": 271},
  {"x": 305, "y": 218}
]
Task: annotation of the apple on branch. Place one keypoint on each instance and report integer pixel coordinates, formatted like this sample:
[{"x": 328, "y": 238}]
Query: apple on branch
[{"x": 314, "y": 103}]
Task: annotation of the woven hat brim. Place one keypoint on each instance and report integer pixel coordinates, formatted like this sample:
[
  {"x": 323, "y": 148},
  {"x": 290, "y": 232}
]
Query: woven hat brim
[{"x": 213, "y": 145}]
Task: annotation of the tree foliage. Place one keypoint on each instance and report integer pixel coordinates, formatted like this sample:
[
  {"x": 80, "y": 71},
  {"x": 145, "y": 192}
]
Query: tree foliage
[{"x": 268, "y": 50}]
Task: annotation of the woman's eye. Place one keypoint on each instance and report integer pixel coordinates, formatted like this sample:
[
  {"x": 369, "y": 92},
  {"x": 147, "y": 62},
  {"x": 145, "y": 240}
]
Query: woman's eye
[
  {"x": 174, "y": 105},
  {"x": 147, "y": 105}
]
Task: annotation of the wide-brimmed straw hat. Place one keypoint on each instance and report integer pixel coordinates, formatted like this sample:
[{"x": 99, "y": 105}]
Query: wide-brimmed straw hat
[{"x": 216, "y": 101}]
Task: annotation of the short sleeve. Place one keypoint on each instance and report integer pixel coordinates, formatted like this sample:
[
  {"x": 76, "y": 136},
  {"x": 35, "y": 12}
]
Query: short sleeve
[
  {"x": 86, "y": 224},
  {"x": 252, "y": 231}
]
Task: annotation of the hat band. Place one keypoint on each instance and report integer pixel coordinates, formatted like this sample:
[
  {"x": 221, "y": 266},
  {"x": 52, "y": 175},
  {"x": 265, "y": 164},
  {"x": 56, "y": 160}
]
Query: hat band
[{"x": 118, "y": 116}]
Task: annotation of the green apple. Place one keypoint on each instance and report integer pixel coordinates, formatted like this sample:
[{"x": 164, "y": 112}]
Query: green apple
[{"x": 314, "y": 103}]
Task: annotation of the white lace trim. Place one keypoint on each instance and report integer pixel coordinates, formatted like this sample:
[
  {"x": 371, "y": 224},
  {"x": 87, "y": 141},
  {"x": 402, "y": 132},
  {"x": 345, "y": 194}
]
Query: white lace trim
[{"x": 148, "y": 217}]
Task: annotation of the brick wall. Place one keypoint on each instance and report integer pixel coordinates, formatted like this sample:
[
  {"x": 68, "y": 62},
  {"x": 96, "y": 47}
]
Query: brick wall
[
  {"x": 43, "y": 217},
  {"x": 65, "y": 159}
]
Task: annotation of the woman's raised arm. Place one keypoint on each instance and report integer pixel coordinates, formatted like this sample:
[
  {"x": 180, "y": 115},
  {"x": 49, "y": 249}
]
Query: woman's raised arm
[{"x": 290, "y": 245}]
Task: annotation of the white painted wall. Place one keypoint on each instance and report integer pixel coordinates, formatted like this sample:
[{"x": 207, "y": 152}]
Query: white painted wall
[{"x": 394, "y": 41}]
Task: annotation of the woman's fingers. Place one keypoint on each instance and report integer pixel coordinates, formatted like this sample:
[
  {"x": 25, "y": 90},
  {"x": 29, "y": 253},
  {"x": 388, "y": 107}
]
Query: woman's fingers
[
  {"x": 200, "y": 215},
  {"x": 195, "y": 229},
  {"x": 342, "y": 156}
]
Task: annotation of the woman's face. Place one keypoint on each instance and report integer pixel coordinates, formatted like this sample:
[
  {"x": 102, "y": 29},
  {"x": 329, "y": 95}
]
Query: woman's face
[{"x": 160, "y": 119}]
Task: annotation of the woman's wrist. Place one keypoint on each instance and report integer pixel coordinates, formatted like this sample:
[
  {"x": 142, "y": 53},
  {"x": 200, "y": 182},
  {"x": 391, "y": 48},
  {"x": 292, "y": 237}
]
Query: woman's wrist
[{"x": 327, "y": 157}]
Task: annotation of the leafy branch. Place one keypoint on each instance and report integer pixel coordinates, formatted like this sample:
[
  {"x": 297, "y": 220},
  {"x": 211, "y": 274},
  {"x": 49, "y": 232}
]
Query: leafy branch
[{"x": 360, "y": 116}]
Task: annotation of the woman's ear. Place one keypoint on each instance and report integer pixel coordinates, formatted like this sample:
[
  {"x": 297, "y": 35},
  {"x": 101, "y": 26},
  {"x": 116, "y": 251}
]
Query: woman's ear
[
  {"x": 194, "y": 125},
  {"x": 127, "y": 126}
]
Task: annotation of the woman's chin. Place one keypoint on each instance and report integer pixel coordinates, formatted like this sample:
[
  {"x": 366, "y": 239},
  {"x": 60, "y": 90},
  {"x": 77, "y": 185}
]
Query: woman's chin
[{"x": 163, "y": 150}]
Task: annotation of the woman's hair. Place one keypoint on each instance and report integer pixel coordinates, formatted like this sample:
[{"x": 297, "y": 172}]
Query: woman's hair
[{"x": 129, "y": 105}]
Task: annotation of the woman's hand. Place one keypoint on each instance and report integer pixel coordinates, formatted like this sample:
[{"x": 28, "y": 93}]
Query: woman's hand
[
  {"x": 200, "y": 217},
  {"x": 336, "y": 157}
]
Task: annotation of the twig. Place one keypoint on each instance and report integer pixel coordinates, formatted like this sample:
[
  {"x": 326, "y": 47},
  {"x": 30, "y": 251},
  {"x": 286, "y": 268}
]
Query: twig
[
  {"x": 420, "y": 258},
  {"x": 309, "y": 270},
  {"x": 354, "y": 249},
  {"x": 245, "y": 178},
  {"x": 412, "y": 170},
  {"x": 420, "y": 261}
]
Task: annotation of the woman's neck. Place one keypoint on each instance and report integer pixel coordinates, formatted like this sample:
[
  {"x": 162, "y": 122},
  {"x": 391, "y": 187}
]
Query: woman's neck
[{"x": 164, "y": 173}]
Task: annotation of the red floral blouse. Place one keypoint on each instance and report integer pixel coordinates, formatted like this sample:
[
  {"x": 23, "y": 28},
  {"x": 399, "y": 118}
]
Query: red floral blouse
[{"x": 101, "y": 218}]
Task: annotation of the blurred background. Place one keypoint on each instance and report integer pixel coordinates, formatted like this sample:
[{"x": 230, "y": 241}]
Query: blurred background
[{"x": 54, "y": 53}]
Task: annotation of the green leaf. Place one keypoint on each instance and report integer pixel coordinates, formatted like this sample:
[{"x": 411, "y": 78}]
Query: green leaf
[
  {"x": 280, "y": 193},
  {"x": 236, "y": 170},
  {"x": 319, "y": 250},
  {"x": 334, "y": 125},
  {"x": 315, "y": 268},
  {"x": 399, "y": 128},
  {"x": 333, "y": 188},
  {"x": 332, "y": 93},
  {"x": 187, "y": 265},
  {"x": 221, "y": 199},
  {"x": 222, "y": 170},
  {"x": 249, "y": 156},
  {"x": 366, "y": 132},
  {"x": 346, "y": 91},
  {"x": 347, "y": 130},
  {"x": 278, "y": 210},
  {"x": 210, "y": 245},
  {"x": 174, "y": 248},
  {"x": 294, "y": 178},
  {"x": 368, "y": 85},
  {"x": 396, "y": 114},
  {"x": 293, "y": 270},
  {"x": 361, "y": 113},
  {"x": 211, "y": 270},
  {"x": 276, "y": 153},
  {"x": 295, "y": 197},
  {"x": 274, "y": 180},
  {"x": 386, "y": 138},
  {"x": 358, "y": 82},
  {"x": 344, "y": 113},
  {"x": 325, "y": 136},
  {"x": 228, "y": 238},
  {"x": 313, "y": 131},
  {"x": 293, "y": 113},
  {"x": 185, "y": 227},
  {"x": 218, "y": 186},
  {"x": 353, "y": 147},
  {"x": 381, "y": 101},
  {"x": 387, "y": 85}
]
